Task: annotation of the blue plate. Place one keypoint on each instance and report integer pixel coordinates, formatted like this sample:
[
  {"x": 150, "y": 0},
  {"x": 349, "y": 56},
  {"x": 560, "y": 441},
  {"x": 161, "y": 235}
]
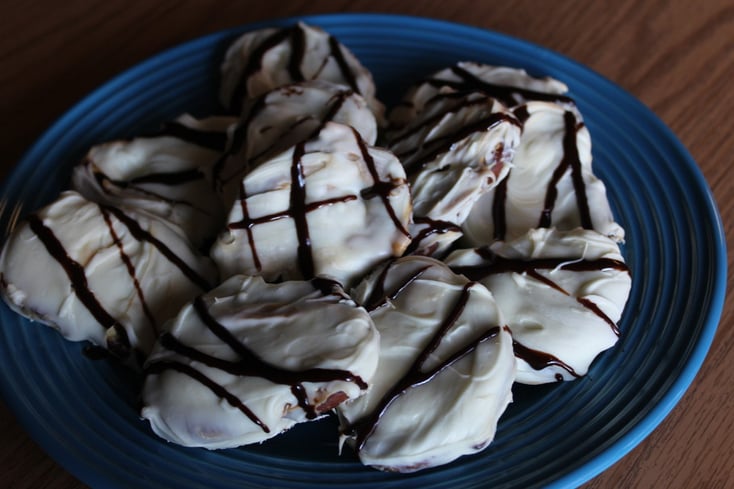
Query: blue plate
[{"x": 84, "y": 412}]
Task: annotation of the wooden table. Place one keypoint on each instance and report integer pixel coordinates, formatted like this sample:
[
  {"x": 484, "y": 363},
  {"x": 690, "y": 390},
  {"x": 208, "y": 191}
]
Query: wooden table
[{"x": 676, "y": 56}]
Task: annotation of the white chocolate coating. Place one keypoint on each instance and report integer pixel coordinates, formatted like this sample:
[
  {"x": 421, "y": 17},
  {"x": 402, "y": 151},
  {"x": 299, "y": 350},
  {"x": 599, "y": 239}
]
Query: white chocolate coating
[
  {"x": 455, "y": 152},
  {"x": 455, "y": 412},
  {"x": 289, "y": 326},
  {"x": 512, "y": 86},
  {"x": 553, "y": 312},
  {"x": 167, "y": 174},
  {"x": 285, "y": 116},
  {"x": 349, "y": 212},
  {"x": 540, "y": 153},
  {"x": 131, "y": 279},
  {"x": 262, "y": 60}
]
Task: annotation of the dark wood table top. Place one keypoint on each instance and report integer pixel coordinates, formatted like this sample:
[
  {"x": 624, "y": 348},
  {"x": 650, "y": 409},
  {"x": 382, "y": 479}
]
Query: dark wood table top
[{"x": 676, "y": 56}]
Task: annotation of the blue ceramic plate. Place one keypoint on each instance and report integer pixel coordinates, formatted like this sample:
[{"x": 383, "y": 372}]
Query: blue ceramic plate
[{"x": 83, "y": 412}]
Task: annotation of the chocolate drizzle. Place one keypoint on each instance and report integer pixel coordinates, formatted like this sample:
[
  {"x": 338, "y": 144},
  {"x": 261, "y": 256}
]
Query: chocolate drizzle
[
  {"x": 296, "y": 36},
  {"x": 131, "y": 271},
  {"x": 248, "y": 364},
  {"x": 415, "y": 375},
  {"x": 378, "y": 297},
  {"x": 214, "y": 140},
  {"x": 218, "y": 390},
  {"x": 299, "y": 212},
  {"x": 508, "y": 95},
  {"x": 171, "y": 179},
  {"x": 495, "y": 264},
  {"x": 142, "y": 235},
  {"x": 254, "y": 64},
  {"x": 432, "y": 227},
  {"x": 414, "y": 158},
  {"x": 570, "y": 160},
  {"x": 74, "y": 270},
  {"x": 341, "y": 61},
  {"x": 298, "y": 49},
  {"x": 379, "y": 188},
  {"x": 332, "y": 108},
  {"x": 538, "y": 360},
  {"x": 239, "y": 138},
  {"x": 499, "y": 215},
  {"x": 247, "y": 223}
]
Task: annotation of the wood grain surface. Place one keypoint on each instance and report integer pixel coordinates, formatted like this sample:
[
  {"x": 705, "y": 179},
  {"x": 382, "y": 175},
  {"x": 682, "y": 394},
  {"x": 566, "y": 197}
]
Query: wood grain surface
[{"x": 676, "y": 56}]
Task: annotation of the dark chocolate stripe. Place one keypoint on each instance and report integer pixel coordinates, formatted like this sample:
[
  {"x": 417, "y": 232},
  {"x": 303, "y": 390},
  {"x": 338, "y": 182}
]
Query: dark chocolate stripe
[
  {"x": 131, "y": 271},
  {"x": 538, "y": 360},
  {"x": 247, "y": 225},
  {"x": 103, "y": 180},
  {"x": 570, "y": 160},
  {"x": 341, "y": 61},
  {"x": 379, "y": 188},
  {"x": 239, "y": 140},
  {"x": 249, "y": 222},
  {"x": 589, "y": 304},
  {"x": 299, "y": 213},
  {"x": 214, "y": 140},
  {"x": 433, "y": 226},
  {"x": 499, "y": 214},
  {"x": 142, "y": 235},
  {"x": 168, "y": 178},
  {"x": 496, "y": 264},
  {"x": 249, "y": 364},
  {"x": 334, "y": 105},
  {"x": 254, "y": 64},
  {"x": 431, "y": 149},
  {"x": 298, "y": 49},
  {"x": 74, "y": 270},
  {"x": 379, "y": 297},
  {"x": 462, "y": 103},
  {"x": 508, "y": 95},
  {"x": 217, "y": 389}
]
